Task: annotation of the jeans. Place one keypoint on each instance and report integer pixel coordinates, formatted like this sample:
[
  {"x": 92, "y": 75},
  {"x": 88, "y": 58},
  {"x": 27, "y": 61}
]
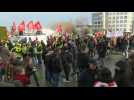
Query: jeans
[
  {"x": 2, "y": 73},
  {"x": 74, "y": 66},
  {"x": 34, "y": 59},
  {"x": 67, "y": 70},
  {"x": 125, "y": 52},
  {"x": 53, "y": 78},
  {"x": 39, "y": 59},
  {"x": 91, "y": 52}
]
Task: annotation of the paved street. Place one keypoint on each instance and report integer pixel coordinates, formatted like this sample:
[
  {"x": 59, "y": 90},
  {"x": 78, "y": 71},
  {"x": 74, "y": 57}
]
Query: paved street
[{"x": 109, "y": 63}]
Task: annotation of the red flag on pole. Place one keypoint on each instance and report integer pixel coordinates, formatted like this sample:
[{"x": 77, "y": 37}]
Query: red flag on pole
[
  {"x": 30, "y": 26},
  {"x": 21, "y": 27},
  {"x": 13, "y": 28},
  {"x": 37, "y": 26},
  {"x": 58, "y": 28}
]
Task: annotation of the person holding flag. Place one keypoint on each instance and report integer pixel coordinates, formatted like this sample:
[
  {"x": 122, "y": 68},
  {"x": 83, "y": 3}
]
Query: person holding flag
[
  {"x": 21, "y": 28},
  {"x": 58, "y": 28},
  {"x": 30, "y": 26},
  {"x": 37, "y": 27}
]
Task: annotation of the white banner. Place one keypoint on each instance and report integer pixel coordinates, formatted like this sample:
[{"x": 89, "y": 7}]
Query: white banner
[
  {"x": 109, "y": 34},
  {"x": 119, "y": 34},
  {"x": 114, "y": 34}
]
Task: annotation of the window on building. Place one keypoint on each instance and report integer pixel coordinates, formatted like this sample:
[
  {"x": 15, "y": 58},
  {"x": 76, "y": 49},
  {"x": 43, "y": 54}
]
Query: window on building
[
  {"x": 113, "y": 17},
  {"x": 117, "y": 25},
  {"x": 113, "y": 21},
  {"x": 117, "y": 17},
  {"x": 125, "y": 21},
  {"x": 121, "y": 17},
  {"x": 121, "y": 21},
  {"x": 121, "y": 29},
  {"x": 124, "y": 25},
  {"x": 125, "y": 17},
  {"x": 121, "y": 25},
  {"x": 117, "y": 13},
  {"x": 117, "y": 21}
]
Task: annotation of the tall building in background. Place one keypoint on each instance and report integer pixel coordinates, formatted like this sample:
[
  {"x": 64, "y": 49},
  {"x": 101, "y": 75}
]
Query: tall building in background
[
  {"x": 113, "y": 21},
  {"x": 98, "y": 21}
]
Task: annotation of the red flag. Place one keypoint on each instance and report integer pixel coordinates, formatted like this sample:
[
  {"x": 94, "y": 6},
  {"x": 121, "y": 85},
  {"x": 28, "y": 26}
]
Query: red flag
[
  {"x": 30, "y": 25},
  {"x": 34, "y": 26},
  {"x": 58, "y": 28},
  {"x": 13, "y": 28},
  {"x": 21, "y": 27},
  {"x": 37, "y": 26}
]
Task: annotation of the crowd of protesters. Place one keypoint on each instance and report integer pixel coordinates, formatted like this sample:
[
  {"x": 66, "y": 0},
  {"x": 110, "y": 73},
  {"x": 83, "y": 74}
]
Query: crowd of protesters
[{"x": 74, "y": 58}]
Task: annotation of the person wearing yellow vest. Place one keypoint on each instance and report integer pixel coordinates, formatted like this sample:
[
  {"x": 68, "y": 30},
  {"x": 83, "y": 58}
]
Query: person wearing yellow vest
[
  {"x": 24, "y": 50},
  {"x": 38, "y": 52},
  {"x": 6, "y": 44},
  {"x": 18, "y": 50}
]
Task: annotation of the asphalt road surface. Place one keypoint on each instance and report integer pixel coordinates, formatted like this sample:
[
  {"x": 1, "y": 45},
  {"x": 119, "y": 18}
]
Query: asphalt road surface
[{"x": 109, "y": 62}]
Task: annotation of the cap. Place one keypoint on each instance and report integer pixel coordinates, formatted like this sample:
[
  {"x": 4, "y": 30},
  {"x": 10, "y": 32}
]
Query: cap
[{"x": 92, "y": 61}]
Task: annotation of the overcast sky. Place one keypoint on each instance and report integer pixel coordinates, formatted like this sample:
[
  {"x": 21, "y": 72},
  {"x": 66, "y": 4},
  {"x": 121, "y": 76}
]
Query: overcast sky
[{"x": 46, "y": 18}]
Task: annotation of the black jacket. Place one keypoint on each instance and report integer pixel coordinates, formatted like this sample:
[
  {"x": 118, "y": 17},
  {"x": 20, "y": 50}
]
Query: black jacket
[
  {"x": 53, "y": 63},
  {"x": 87, "y": 78},
  {"x": 102, "y": 48},
  {"x": 83, "y": 59},
  {"x": 124, "y": 74},
  {"x": 67, "y": 57}
]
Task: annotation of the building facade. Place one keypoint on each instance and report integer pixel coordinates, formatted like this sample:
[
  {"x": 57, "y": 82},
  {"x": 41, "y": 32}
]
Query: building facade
[
  {"x": 98, "y": 21},
  {"x": 113, "y": 21}
]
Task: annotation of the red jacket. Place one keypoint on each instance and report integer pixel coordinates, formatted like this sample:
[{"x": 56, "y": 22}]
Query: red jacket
[{"x": 23, "y": 79}]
